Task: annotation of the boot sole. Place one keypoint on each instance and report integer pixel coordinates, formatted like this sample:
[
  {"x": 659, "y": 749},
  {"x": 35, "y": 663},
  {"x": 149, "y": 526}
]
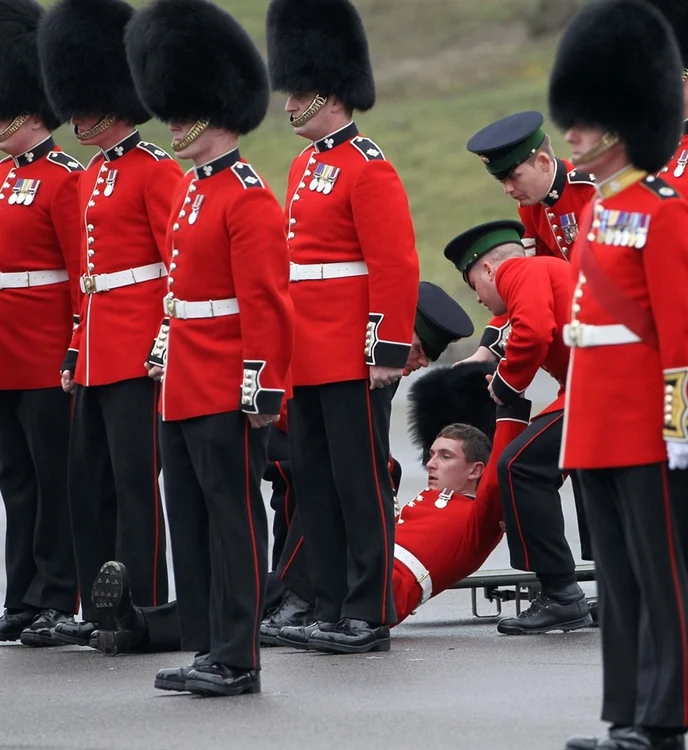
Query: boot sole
[
  {"x": 9, "y": 637},
  {"x": 269, "y": 640},
  {"x": 107, "y": 594},
  {"x": 39, "y": 640},
  {"x": 566, "y": 627},
  {"x": 209, "y": 690},
  {"x": 300, "y": 645},
  {"x": 68, "y": 640},
  {"x": 176, "y": 687},
  {"x": 341, "y": 648}
]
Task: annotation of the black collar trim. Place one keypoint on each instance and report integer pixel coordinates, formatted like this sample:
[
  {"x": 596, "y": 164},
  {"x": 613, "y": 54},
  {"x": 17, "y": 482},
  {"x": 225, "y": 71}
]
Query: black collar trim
[
  {"x": 558, "y": 185},
  {"x": 337, "y": 138},
  {"x": 217, "y": 165},
  {"x": 34, "y": 154},
  {"x": 123, "y": 147}
]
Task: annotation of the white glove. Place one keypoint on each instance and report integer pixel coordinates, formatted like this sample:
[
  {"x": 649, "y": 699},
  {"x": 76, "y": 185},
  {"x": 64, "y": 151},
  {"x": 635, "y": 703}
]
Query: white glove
[{"x": 678, "y": 454}]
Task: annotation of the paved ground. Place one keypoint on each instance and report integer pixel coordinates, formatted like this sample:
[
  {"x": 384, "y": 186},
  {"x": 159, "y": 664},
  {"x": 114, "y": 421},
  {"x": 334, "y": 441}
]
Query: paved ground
[{"x": 449, "y": 682}]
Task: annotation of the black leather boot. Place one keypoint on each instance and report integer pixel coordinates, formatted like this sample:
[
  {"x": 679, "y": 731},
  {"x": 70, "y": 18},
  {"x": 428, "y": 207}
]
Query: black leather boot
[
  {"x": 176, "y": 677},
  {"x": 40, "y": 632},
  {"x": 12, "y": 624},
  {"x": 627, "y": 738},
  {"x": 292, "y": 612},
  {"x": 218, "y": 679},
  {"x": 74, "y": 633},
  {"x": 121, "y": 626},
  {"x": 297, "y": 636},
  {"x": 351, "y": 637},
  {"x": 564, "y": 609}
]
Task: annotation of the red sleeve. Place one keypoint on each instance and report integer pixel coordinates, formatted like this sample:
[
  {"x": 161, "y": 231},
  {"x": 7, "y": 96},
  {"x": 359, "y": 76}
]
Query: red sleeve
[
  {"x": 162, "y": 181},
  {"x": 256, "y": 225},
  {"x": 386, "y": 235},
  {"x": 526, "y": 289},
  {"x": 511, "y": 422},
  {"x": 666, "y": 268},
  {"x": 531, "y": 241}
]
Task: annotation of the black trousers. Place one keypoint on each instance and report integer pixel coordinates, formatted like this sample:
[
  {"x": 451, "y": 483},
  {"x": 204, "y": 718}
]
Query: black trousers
[
  {"x": 283, "y": 499},
  {"x": 339, "y": 445},
  {"x": 39, "y": 556},
  {"x": 529, "y": 481},
  {"x": 212, "y": 468},
  {"x": 643, "y": 592},
  {"x": 114, "y": 495}
]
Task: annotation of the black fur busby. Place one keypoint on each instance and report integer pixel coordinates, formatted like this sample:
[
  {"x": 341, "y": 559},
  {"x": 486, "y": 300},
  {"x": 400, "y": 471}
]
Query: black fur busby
[
  {"x": 618, "y": 67},
  {"x": 21, "y": 84},
  {"x": 321, "y": 46},
  {"x": 192, "y": 61},
  {"x": 676, "y": 13},
  {"x": 446, "y": 395},
  {"x": 81, "y": 46}
]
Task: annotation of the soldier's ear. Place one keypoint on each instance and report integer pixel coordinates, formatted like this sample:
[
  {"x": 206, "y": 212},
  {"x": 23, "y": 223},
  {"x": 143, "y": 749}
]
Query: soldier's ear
[
  {"x": 477, "y": 470},
  {"x": 544, "y": 162}
]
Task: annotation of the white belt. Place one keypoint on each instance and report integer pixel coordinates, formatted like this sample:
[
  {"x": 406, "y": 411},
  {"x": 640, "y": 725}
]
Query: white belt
[
  {"x": 317, "y": 271},
  {"x": 183, "y": 310},
  {"x": 26, "y": 279},
  {"x": 582, "y": 335},
  {"x": 106, "y": 282},
  {"x": 421, "y": 573}
]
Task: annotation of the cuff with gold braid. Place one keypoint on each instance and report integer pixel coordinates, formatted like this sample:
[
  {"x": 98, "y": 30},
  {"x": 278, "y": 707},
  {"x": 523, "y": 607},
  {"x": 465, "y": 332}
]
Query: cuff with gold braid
[
  {"x": 158, "y": 354},
  {"x": 380, "y": 352},
  {"x": 254, "y": 398},
  {"x": 676, "y": 404}
]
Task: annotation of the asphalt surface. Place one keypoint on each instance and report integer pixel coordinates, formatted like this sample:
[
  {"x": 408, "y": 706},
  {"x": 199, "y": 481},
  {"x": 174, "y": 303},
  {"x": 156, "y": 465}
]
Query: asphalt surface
[{"x": 450, "y": 681}]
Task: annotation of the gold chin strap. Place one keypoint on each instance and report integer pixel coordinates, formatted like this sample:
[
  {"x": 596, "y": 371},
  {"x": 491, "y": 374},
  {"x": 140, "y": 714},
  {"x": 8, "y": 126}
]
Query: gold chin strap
[
  {"x": 97, "y": 129},
  {"x": 684, "y": 75},
  {"x": 12, "y": 128},
  {"x": 196, "y": 129},
  {"x": 313, "y": 108},
  {"x": 607, "y": 141}
]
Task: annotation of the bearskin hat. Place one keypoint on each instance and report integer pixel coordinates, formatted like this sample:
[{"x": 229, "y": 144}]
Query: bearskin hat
[
  {"x": 81, "y": 46},
  {"x": 21, "y": 84},
  {"x": 192, "y": 61},
  {"x": 446, "y": 395},
  {"x": 618, "y": 67},
  {"x": 676, "y": 13},
  {"x": 321, "y": 46}
]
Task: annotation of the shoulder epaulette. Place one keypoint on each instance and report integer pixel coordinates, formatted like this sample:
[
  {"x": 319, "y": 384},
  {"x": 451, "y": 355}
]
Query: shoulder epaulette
[
  {"x": 660, "y": 188},
  {"x": 247, "y": 176},
  {"x": 155, "y": 151},
  {"x": 65, "y": 161},
  {"x": 369, "y": 149},
  {"x": 576, "y": 176}
]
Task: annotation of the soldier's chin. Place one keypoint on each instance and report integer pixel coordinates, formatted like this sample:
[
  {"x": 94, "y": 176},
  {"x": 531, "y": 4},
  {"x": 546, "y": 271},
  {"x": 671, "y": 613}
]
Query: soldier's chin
[{"x": 433, "y": 484}]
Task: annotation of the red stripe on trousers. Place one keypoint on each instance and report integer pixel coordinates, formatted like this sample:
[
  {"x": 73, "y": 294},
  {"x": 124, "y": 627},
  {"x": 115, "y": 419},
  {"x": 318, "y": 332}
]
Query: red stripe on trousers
[
  {"x": 286, "y": 495},
  {"x": 291, "y": 559}
]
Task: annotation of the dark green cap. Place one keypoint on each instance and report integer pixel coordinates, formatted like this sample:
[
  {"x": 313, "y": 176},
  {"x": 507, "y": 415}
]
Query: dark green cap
[
  {"x": 439, "y": 320},
  {"x": 507, "y": 143},
  {"x": 463, "y": 251}
]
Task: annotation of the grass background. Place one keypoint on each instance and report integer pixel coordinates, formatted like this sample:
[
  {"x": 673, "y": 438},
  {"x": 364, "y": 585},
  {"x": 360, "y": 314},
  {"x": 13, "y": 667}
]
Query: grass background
[{"x": 444, "y": 69}]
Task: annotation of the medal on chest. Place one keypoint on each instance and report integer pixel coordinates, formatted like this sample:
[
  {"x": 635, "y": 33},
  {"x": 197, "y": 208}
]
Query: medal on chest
[
  {"x": 195, "y": 208},
  {"x": 569, "y": 226},
  {"x": 324, "y": 178},
  {"x": 24, "y": 192},
  {"x": 623, "y": 229},
  {"x": 443, "y": 499},
  {"x": 681, "y": 164},
  {"x": 110, "y": 182}
]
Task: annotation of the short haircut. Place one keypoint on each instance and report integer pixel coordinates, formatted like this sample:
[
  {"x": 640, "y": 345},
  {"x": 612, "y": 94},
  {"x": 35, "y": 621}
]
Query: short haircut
[
  {"x": 544, "y": 148},
  {"x": 476, "y": 445}
]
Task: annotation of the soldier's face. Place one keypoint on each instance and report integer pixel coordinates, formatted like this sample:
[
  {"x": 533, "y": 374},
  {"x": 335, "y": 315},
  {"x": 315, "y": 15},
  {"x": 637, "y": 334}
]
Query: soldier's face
[
  {"x": 481, "y": 278},
  {"x": 582, "y": 139},
  {"x": 14, "y": 144},
  {"x": 448, "y": 469},
  {"x": 84, "y": 124},
  {"x": 528, "y": 183},
  {"x": 179, "y": 131},
  {"x": 317, "y": 126},
  {"x": 417, "y": 357}
]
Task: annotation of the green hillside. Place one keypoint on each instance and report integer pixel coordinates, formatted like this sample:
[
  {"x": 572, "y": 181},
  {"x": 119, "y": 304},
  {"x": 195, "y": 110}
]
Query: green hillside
[{"x": 444, "y": 68}]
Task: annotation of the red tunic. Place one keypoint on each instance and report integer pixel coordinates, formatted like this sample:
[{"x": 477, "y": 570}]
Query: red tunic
[
  {"x": 616, "y": 393},
  {"x": 455, "y": 540},
  {"x": 346, "y": 203},
  {"x": 41, "y": 234},
  {"x": 226, "y": 239},
  {"x": 551, "y": 229},
  {"x": 675, "y": 172},
  {"x": 124, "y": 202},
  {"x": 537, "y": 294}
]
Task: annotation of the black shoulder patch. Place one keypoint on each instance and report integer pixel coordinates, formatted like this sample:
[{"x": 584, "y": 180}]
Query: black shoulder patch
[
  {"x": 660, "y": 188},
  {"x": 247, "y": 176},
  {"x": 65, "y": 161},
  {"x": 577, "y": 176},
  {"x": 369, "y": 149},
  {"x": 155, "y": 151}
]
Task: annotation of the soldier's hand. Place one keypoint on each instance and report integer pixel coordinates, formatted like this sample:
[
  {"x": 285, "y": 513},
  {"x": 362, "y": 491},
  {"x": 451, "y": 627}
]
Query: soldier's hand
[
  {"x": 262, "y": 420},
  {"x": 491, "y": 391},
  {"x": 68, "y": 383},
  {"x": 381, "y": 376},
  {"x": 154, "y": 371}
]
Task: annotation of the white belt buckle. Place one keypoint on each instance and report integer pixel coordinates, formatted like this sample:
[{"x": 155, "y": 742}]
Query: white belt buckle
[
  {"x": 89, "y": 284},
  {"x": 575, "y": 333}
]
